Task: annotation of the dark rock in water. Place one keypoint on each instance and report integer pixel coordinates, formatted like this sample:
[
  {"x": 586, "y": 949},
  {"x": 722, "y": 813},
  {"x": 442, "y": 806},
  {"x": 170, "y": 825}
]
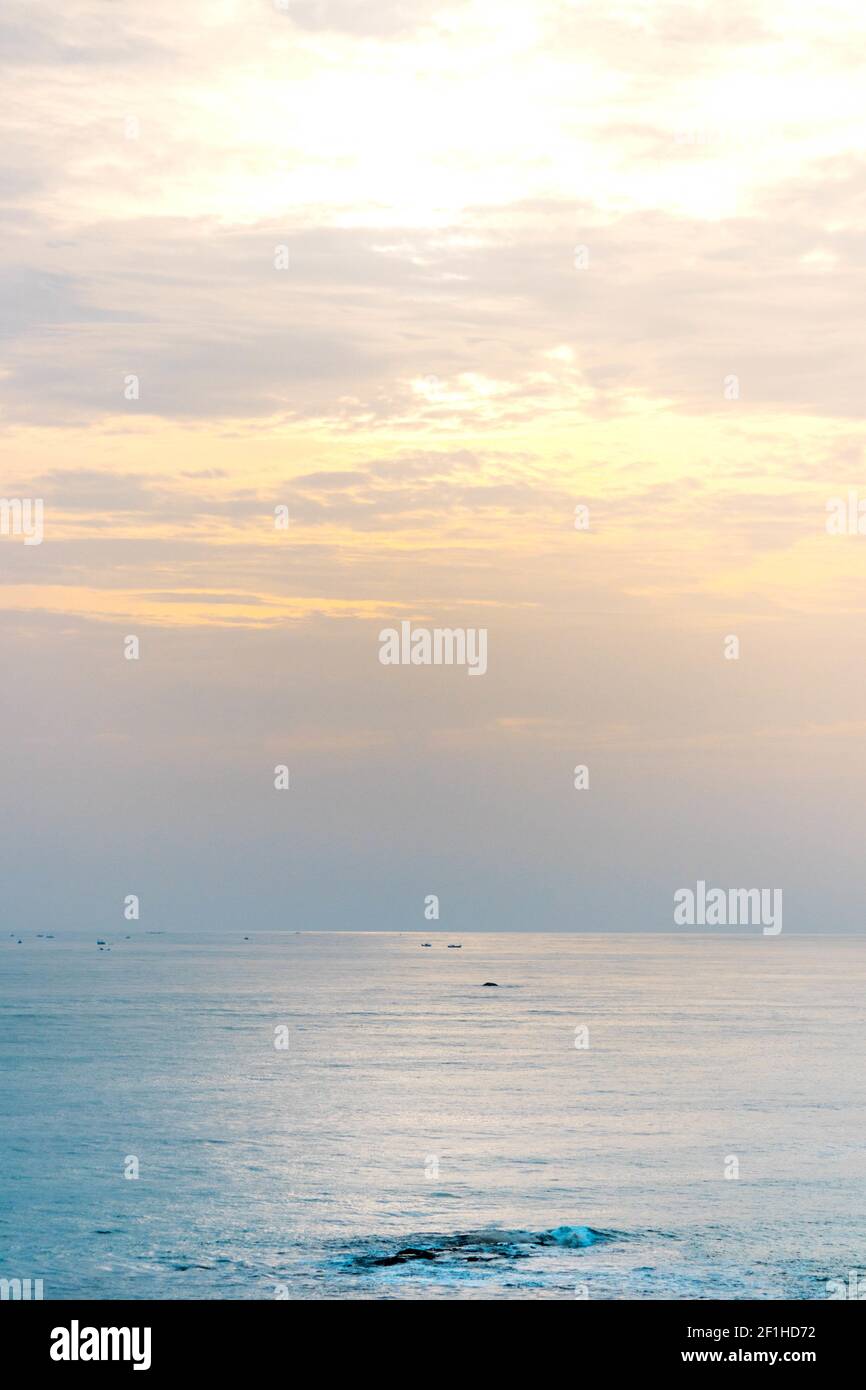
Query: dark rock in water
[
  {"x": 490, "y": 984},
  {"x": 481, "y": 1247},
  {"x": 99, "y": 941},
  {"x": 402, "y": 1257}
]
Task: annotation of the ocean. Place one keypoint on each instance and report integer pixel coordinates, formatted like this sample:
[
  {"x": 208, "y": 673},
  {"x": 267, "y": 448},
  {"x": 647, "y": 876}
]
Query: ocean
[{"x": 359, "y": 1116}]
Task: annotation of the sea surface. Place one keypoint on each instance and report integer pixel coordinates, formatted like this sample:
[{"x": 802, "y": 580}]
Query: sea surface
[{"x": 422, "y": 1134}]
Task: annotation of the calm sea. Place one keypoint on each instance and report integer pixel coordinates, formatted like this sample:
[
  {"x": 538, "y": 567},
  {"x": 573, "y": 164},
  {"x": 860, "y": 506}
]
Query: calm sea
[{"x": 572, "y": 1132}]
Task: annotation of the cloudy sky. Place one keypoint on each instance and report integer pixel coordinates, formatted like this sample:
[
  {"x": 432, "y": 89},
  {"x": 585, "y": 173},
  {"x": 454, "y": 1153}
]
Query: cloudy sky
[{"x": 431, "y": 276}]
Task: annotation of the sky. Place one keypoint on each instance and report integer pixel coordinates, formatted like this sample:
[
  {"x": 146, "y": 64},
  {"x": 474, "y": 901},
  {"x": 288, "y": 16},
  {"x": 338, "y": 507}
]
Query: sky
[{"x": 430, "y": 277}]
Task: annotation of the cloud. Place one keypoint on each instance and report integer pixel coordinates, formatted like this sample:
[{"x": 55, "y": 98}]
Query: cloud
[
  {"x": 669, "y": 307},
  {"x": 382, "y": 19},
  {"x": 658, "y": 42}
]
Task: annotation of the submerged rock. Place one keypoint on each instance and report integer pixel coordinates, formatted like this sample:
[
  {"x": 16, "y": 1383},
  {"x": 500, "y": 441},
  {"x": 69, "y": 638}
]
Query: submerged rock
[
  {"x": 402, "y": 1257},
  {"x": 474, "y": 1247}
]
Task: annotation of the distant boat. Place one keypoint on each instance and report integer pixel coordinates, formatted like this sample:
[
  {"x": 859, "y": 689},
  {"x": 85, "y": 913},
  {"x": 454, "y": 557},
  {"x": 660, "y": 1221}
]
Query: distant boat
[{"x": 455, "y": 946}]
